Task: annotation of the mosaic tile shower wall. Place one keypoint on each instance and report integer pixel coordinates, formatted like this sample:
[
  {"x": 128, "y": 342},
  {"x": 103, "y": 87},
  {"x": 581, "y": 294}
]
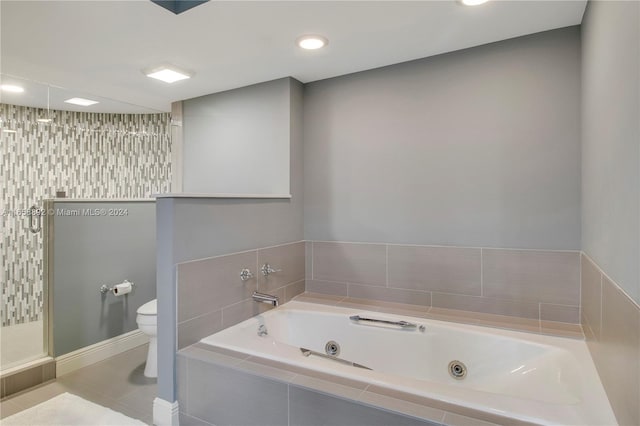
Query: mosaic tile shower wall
[{"x": 87, "y": 155}]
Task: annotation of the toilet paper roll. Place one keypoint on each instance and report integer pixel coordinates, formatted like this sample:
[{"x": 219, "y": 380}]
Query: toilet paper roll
[{"x": 122, "y": 289}]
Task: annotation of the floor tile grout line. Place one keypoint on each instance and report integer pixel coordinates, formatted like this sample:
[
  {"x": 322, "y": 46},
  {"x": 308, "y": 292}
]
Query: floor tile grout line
[
  {"x": 580, "y": 290},
  {"x": 386, "y": 264},
  {"x": 539, "y": 316},
  {"x": 481, "y": 273},
  {"x": 599, "y": 336}
]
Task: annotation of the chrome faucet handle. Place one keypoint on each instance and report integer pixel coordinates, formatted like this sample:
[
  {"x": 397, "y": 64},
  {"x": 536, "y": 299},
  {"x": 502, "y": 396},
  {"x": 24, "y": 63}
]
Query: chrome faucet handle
[
  {"x": 245, "y": 274},
  {"x": 268, "y": 269}
]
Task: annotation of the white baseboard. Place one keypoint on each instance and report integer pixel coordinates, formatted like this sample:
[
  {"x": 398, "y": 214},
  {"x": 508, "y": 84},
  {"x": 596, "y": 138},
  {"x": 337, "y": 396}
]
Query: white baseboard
[
  {"x": 165, "y": 413},
  {"x": 100, "y": 351}
]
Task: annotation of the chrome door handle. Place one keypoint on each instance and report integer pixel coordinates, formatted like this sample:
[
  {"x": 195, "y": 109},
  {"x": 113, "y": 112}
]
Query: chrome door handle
[{"x": 32, "y": 228}]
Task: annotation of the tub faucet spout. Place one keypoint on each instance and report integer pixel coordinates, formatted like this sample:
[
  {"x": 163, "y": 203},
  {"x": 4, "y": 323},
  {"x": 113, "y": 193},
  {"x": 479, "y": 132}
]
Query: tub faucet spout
[{"x": 265, "y": 298}]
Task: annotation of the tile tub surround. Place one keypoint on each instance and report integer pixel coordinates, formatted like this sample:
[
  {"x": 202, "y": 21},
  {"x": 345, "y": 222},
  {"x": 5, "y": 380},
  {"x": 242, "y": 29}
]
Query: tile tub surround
[
  {"x": 536, "y": 284},
  {"x": 211, "y": 295},
  {"x": 285, "y": 395},
  {"x": 611, "y": 323}
]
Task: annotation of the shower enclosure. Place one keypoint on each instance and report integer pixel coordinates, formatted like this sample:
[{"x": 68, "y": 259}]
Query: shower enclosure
[
  {"x": 48, "y": 153},
  {"x": 23, "y": 172}
]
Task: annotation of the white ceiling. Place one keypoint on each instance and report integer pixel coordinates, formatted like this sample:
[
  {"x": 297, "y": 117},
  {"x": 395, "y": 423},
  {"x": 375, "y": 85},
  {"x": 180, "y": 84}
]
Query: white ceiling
[{"x": 100, "y": 47}]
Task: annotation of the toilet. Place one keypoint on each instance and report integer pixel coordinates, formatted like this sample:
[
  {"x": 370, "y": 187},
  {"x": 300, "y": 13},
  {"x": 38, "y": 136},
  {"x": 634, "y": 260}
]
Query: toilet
[{"x": 147, "y": 320}]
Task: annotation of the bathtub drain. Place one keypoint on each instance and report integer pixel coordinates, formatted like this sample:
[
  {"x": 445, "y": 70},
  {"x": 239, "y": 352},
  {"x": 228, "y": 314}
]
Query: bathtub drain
[
  {"x": 457, "y": 370},
  {"x": 332, "y": 348}
]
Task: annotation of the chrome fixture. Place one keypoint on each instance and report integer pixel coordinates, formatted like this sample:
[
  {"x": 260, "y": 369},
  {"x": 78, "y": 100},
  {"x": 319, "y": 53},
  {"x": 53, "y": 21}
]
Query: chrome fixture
[
  {"x": 306, "y": 352},
  {"x": 35, "y": 211},
  {"x": 457, "y": 369},
  {"x": 105, "y": 289},
  {"x": 403, "y": 324},
  {"x": 262, "y": 330},
  {"x": 245, "y": 274},
  {"x": 332, "y": 348},
  {"x": 267, "y": 269},
  {"x": 265, "y": 298}
]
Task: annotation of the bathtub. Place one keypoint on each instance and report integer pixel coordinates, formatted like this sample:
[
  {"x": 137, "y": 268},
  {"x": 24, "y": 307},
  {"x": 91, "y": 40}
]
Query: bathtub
[{"x": 529, "y": 377}]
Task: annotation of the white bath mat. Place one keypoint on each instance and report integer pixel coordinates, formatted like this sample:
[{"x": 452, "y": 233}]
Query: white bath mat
[{"x": 69, "y": 410}]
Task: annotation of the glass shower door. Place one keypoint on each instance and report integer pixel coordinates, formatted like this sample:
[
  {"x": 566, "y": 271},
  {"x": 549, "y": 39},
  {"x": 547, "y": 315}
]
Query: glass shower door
[{"x": 23, "y": 174}]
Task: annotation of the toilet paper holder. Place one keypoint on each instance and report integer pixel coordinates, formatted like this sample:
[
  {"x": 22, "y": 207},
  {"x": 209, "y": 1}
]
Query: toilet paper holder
[{"x": 105, "y": 289}]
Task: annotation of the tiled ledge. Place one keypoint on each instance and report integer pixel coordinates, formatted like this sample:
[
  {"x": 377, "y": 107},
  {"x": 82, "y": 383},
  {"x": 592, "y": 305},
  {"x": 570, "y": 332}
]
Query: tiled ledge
[
  {"x": 359, "y": 392},
  {"x": 551, "y": 328},
  {"x": 221, "y": 195},
  {"x": 101, "y": 200}
]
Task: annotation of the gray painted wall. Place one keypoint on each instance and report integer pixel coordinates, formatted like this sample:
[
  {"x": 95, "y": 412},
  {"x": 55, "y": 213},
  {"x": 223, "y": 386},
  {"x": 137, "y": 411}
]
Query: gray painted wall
[
  {"x": 89, "y": 251},
  {"x": 238, "y": 141},
  {"x": 479, "y": 147},
  {"x": 190, "y": 229},
  {"x": 611, "y": 140}
]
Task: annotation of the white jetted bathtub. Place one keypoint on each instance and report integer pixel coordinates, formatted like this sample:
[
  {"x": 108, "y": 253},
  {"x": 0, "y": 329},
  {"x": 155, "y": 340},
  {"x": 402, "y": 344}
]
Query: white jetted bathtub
[{"x": 535, "y": 378}]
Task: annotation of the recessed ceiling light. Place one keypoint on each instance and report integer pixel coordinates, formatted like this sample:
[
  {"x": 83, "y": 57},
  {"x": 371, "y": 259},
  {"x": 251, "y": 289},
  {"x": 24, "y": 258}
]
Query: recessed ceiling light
[
  {"x": 168, "y": 75},
  {"x": 81, "y": 101},
  {"x": 311, "y": 42},
  {"x": 8, "y": 131},
  {"x": 473, "y": 2},
  {"x": 11, "y": 88},
  {"x": 44, "y": 120}
]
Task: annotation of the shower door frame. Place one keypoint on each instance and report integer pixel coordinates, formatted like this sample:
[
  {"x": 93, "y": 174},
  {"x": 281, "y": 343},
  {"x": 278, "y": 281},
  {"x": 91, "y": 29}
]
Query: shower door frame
[{"x": 47, "y": 278}]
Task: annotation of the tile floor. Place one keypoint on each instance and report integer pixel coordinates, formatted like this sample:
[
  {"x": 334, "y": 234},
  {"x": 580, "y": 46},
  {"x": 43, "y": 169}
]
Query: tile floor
[{"x": 117, "y": 383}]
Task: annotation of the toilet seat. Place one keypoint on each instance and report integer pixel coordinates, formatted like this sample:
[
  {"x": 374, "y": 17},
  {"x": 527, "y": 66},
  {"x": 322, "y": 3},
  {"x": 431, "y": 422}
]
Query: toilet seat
[{"x": 149, "y": 308}]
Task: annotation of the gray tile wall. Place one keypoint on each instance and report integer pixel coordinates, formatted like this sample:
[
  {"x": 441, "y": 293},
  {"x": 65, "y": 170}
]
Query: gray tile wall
[
  {"x": 534, "y": 284},
  {"x": 221, "y": 387},
  {"x": 212, "y": 393},
  {"x": 311, "y": 408},
  {"x": 88, "y": 155},
  {"x": 211, "y": 295},
  {"x": 611, "y": 322}
]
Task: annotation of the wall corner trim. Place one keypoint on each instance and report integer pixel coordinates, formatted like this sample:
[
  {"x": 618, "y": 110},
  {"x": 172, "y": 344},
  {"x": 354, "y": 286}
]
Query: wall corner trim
[{"x": 165, "y": 413}]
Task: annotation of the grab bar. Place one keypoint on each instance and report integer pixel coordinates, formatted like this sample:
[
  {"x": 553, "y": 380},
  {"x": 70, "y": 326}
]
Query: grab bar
[
  {"x": 403, "y": 324},
  {"x": 307, "y": 352}
]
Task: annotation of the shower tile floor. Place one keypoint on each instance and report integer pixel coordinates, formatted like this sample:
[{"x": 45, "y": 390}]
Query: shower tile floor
[
  {"x": 20, "y": 343},
  {"x": 117, "y": 383}
]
